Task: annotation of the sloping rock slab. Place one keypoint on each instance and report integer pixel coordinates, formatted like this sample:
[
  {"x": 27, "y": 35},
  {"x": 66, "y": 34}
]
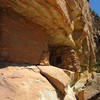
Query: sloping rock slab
[
  {"x": 18, "y": 83},
  {"x": 93, "y": 88},
  {"x": 56, "y": 76}
]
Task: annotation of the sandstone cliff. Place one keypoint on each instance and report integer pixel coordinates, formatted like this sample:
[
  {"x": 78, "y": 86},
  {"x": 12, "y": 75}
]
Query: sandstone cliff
[
  {"x": 65, "y": 23},
  {"x": 45, "y": 42},
  {"x": 96, "y": 27}
]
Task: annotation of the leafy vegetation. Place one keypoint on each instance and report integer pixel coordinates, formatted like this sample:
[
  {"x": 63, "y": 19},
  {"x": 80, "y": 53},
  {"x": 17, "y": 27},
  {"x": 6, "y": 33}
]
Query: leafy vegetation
[{"x": 95, "y": 14}]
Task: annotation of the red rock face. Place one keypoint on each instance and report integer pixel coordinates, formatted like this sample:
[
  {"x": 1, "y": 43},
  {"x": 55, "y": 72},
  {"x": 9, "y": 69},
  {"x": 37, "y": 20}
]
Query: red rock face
[{"x": 20, "y": 40}]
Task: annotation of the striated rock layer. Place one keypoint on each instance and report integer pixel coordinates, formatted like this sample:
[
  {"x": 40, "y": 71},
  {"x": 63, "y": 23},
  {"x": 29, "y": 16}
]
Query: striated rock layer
[
  {"x": 21, "y": 41},
  {"x": 96, "y": 31},
  {"x": 35, "y": 34},
  {"x": 42, "y": 24}
]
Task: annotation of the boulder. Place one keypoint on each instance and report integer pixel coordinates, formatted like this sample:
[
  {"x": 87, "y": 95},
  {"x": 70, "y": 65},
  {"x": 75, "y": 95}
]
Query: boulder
[
  {"x": 56, "y": 76},
  {"x": 18, "y": 83},
  {"x": 92, "y": 91}
]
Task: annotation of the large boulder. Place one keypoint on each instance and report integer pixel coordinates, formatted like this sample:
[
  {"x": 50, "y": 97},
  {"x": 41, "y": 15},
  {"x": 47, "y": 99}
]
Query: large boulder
[
  {"x": 20, "y": 83},
  {"x": 92, "y": 91},
  {"x": 56, "y": 76},
  {"x": 34, "y": 83}
]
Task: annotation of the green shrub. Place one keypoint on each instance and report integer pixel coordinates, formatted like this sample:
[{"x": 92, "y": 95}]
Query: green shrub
[{"x": 94, "y": 13}]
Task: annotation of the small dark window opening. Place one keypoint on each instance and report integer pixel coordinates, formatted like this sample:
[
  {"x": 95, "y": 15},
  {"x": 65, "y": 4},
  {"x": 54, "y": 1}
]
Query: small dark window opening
[
  {"x": 96, "y": 40},
  {"x": 99, "y": 39},
  {"x": 58, "y": 60}
]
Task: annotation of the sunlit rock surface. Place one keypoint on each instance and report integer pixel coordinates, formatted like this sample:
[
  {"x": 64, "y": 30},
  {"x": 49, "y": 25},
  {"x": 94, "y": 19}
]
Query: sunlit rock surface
[
  {"x": 32, "y": 83},
  {"x": 35, "y": 34}
]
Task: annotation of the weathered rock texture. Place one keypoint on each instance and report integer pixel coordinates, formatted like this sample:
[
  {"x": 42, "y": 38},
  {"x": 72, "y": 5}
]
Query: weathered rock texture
[
  {"x": 28, "y": 83},
  {"x": 82, "y": 33},
  {"x": 65, "y": 22},
  {"x": 21, "y": 41},
  {"x": 18, "y": 83},
  {"x": 94, "y": 87},
  {"x": 56, "y": 76},
  {"x": 44, "y": 32},
  {"x": 96, "y": 26},
  {"x": 96, "y": 33}
]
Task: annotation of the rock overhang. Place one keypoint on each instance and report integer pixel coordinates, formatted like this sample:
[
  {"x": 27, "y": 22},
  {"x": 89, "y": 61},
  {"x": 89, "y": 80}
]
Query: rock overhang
[
  {"x": 51, "y": 15},
  {"x": 66, "y": 22}
]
